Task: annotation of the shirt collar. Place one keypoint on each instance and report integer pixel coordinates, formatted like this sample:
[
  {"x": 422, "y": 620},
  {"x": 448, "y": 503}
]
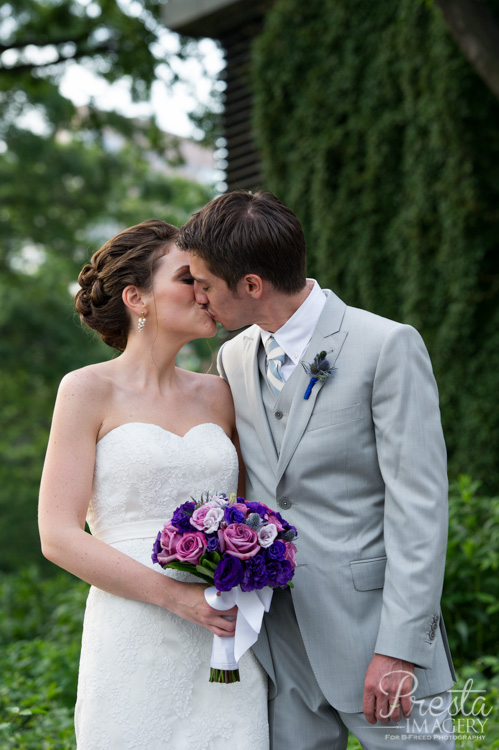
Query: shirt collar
[{"x": 294, "y": 336}]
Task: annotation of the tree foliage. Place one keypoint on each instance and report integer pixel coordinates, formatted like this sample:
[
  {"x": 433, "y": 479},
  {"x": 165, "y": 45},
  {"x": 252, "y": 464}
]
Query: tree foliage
[
  {"x": 69, "y": 179},
  {"x": 377, "y": 132}
]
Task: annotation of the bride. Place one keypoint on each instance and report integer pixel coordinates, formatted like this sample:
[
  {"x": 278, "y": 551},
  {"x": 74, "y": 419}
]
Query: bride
[{"x": 131, "y": 439}]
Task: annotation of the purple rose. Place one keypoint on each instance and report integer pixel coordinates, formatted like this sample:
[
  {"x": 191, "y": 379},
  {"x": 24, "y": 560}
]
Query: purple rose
[
  {"x": 228, "y": 573},
  {"x": 241, "y": 540},
  {"x": 181, "y": 519},
  {"x": 156, "y": 548},
  {"x": 190, "y": 547},
  {"x": 213, "y": 544},
  {"x": 259, "y": 508},
  {"x": 233, "y": 514},
  {"x": 276, "y": 551},
  {"x": 255, "y": 574},
  {"x": 279, "y": 572},
  {"x": 285, "y": 525}
]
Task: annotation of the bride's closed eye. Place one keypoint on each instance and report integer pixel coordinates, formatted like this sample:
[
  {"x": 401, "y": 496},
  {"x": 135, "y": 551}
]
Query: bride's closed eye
[{"x": 187, "y": 280}]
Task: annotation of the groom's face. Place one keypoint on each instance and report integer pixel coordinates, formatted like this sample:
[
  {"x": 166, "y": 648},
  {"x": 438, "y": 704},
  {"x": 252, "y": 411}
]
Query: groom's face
[{"x": 232, "y": 309}]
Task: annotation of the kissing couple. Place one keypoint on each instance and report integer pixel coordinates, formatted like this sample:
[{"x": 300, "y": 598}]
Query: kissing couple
[{"x": 355, "y": 459}]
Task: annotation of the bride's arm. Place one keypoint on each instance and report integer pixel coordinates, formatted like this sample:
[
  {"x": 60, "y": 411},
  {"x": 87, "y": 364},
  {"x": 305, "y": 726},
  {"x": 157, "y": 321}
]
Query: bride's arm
[{"x": 64, "y": 496}]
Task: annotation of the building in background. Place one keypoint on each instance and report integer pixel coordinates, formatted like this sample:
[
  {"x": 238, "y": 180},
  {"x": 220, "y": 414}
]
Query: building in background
[{"x": 234, "y": 23}]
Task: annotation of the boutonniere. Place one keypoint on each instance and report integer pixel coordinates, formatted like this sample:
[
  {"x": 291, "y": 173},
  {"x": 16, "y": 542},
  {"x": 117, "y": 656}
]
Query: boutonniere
[{"x": 319, "y": 369}]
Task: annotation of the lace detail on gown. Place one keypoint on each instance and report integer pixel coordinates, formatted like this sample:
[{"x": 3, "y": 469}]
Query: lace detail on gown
[{"x": 143, "y": 680}]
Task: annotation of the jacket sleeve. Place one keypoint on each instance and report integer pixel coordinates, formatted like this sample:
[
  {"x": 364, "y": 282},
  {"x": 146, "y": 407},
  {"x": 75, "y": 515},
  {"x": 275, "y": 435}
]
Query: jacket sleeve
[
  {"x": 412, "y": 459},
  {"x": 220, "y": 367}
]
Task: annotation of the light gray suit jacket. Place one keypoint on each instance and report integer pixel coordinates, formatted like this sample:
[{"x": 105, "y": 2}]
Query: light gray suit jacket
[{"x": 362, "y": 475}]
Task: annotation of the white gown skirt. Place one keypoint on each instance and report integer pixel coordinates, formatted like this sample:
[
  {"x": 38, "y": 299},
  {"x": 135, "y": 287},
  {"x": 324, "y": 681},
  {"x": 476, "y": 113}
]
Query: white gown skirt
[{"x": 143, "y": 680}]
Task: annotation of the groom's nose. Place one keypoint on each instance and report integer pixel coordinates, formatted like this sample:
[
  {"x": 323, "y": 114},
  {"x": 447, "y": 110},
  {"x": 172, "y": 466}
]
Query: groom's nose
[{"x": 199, "y": 294}]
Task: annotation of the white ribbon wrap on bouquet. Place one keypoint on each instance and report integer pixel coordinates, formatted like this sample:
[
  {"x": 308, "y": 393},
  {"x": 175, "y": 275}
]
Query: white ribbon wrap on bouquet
[{"x": 251, "y": 605}]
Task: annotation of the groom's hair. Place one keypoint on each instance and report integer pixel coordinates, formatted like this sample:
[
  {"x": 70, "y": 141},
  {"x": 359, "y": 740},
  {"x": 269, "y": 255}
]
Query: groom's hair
[{"x": 242, "y": 232}]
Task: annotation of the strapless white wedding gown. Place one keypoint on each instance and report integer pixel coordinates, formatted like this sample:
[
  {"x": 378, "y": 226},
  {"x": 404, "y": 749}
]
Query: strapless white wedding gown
[{"x": 143, "y": 681}]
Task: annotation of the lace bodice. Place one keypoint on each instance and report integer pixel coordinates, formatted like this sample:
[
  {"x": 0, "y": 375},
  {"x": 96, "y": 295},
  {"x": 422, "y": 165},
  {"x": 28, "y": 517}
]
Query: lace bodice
[{"x": 143, "y": 471}]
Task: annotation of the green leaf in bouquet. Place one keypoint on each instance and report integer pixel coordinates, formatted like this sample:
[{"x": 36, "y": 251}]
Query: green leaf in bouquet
[
  {"x": 206, "y": 562},
  {"x": 204, "y": 573}
]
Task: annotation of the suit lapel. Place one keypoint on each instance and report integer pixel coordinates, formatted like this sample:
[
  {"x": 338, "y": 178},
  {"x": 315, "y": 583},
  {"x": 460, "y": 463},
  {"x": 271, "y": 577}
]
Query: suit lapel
[
  {"x": 329, "y": 338},
  {"x": 254, "y": 394}
]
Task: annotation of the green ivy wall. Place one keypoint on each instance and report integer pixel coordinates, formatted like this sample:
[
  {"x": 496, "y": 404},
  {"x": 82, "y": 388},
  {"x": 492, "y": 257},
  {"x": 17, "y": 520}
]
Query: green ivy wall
[{"x": 375, "y": 130}]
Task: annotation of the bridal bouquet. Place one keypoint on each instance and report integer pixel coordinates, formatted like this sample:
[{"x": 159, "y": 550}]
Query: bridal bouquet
[{"x": 244, "y": 549}]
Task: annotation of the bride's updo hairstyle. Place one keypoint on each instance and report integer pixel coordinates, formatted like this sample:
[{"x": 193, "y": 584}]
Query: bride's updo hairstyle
[{"x": 129, "y": 258}]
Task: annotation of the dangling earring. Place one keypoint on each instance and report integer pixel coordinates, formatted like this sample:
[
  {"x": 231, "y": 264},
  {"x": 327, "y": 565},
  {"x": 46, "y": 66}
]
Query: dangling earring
[{"x": 142, "y": 321}]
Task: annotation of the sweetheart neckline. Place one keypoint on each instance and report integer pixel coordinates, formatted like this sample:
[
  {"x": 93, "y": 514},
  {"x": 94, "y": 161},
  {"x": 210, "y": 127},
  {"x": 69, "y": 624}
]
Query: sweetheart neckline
[{"x": 163, "y": 429}]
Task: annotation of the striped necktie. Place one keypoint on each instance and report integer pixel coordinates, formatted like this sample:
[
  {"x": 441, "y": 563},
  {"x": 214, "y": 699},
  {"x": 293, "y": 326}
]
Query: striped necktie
[{"x": 275, "y": 360}]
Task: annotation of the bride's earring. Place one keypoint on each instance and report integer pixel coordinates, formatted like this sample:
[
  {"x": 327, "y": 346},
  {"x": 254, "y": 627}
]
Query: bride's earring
[{"x": 142, "y": 321}]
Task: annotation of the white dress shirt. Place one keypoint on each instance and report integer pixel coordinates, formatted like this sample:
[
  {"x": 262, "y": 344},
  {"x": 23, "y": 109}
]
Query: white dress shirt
[{"x": 295, "y": 335}]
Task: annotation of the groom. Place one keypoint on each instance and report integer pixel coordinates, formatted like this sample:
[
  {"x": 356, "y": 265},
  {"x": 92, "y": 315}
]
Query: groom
[{"x": 359, "y": 467}]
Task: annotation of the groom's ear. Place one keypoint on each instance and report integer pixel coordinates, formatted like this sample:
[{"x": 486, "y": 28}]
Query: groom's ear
[{"x": 252, "y": 285}]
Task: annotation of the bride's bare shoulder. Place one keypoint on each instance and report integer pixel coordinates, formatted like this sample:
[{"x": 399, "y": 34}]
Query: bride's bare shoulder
[{"x": 91, "y": 383}]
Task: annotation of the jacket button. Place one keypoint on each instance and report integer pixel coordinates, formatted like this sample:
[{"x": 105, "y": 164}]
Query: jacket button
[
  {"x": 284, "y": 503},
  {"x": 278, "y": 415}
]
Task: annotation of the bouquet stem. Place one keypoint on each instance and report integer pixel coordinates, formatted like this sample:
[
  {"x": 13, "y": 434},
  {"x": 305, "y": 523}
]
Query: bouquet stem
[{"x": 224, "y": 676}]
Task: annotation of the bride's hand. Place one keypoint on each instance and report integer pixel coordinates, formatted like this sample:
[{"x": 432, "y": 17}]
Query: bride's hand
[{"x": 188, "y": 601}]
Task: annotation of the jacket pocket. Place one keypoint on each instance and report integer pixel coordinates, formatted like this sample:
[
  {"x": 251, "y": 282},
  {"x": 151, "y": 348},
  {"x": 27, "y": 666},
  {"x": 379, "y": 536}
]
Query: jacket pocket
[
  {"x": 338, "y": 416},
  {"x": 368, "y": 574}
]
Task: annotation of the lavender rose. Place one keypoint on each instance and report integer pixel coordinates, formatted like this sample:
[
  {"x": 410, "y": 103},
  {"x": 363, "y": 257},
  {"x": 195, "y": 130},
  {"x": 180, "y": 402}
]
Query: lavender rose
[
  {"x": 279, "y": 573},
  {"x": 241, "y": 541},
  {"x": 190, "y": 547},
  {"x": 207, "y": 518},
  {"x": 228, "y": 573},
  {"x": 255, "y": 574},
  {"x": 181, "y": 519},
  {"x": 267, "y": 534}
]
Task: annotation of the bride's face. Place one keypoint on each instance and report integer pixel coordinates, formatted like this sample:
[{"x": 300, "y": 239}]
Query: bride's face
[{"x": 172, "y": 302}]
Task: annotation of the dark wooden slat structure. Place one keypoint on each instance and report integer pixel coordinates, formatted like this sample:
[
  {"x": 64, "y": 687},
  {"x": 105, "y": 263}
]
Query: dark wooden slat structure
[{"x": 234, "y": 23}]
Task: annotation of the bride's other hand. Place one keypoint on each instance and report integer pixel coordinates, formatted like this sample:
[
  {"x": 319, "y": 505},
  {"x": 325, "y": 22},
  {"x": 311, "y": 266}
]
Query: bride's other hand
[{"x": 189, "y": 602}]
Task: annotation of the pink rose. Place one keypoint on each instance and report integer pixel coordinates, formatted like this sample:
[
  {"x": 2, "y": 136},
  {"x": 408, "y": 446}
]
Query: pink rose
[
  {"x": 267, "y": 534},
  {"x": 242, "y": 507},
  {"x": 241, "y": 541},
  {"x": 169, "y": 540},
  {"x": 221, "y": 539},
  {"x": 190, "y": 547},
  {"x": 273, "y": 519},
  {"x": 290, "y": 554}
]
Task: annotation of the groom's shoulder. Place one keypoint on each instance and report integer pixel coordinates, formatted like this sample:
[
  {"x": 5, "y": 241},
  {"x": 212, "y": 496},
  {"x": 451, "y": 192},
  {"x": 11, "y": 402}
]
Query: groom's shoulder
[
  {"x": 356, "y": 316},
  {"x": 240, "y": 341},
  {"x": 359, "y": 319}
]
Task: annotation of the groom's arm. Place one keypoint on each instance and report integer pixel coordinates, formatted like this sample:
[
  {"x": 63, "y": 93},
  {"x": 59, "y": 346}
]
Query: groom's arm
[{"x": 412, "y": 460}]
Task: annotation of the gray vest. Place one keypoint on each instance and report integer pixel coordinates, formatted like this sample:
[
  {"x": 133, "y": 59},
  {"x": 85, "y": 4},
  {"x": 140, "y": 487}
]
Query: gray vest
[{"x": 277, "y": 410}]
